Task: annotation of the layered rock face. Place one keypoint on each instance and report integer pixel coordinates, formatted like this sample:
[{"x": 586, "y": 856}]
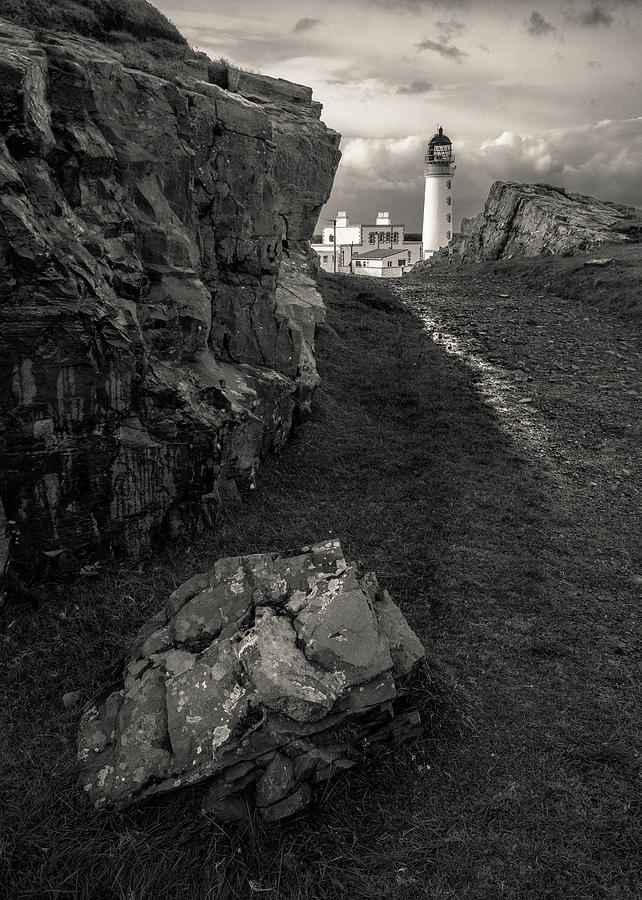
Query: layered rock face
[
  {"x": 538, "y": 220},
  {"x": 157, "y": 309},
  {"x": 262, "y": 677}
]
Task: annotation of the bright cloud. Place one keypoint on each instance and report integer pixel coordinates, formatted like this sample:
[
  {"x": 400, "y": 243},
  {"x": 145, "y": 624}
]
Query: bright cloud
[
  {"x": 589, "y": 157},
  {"x": 601, "y": 159}
]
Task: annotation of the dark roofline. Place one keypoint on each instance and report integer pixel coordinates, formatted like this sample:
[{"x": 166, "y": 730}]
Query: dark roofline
[{"x": 377, "y": 254}]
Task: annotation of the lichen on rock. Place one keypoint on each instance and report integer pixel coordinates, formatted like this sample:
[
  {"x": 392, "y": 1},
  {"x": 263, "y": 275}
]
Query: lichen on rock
[{"x": 262, "y": 678}]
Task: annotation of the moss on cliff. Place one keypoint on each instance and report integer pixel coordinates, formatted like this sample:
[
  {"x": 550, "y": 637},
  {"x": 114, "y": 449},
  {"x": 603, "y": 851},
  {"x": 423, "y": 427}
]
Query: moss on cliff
[
  {"x": 144, "y": 37},
  {"x": 98, "y": 19}
]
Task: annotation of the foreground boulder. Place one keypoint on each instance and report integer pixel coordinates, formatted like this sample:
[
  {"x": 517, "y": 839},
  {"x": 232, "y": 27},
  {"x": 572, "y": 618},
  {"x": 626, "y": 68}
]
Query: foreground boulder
[
  {"x": 157, "y": 309},
  {"x": 541, "y": 220},
  {"x": 263, "y": 677}
]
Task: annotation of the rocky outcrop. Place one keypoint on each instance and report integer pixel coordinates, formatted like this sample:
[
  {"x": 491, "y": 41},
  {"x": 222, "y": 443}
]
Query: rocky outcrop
[
  {"x": 262, "y": 678},
  {"x": 157, "y": 308},
  {"x": 540, "y": 220}
]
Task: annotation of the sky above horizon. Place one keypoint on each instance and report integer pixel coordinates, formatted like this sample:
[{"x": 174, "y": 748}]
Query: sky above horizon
[{"x": 527, "y": 91}]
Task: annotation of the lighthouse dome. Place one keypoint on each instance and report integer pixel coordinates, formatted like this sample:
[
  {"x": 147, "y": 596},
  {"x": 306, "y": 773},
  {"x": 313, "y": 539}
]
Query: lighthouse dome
[
  {"x": 439, "y": 138},
  {"x": 440, "y": 148}
]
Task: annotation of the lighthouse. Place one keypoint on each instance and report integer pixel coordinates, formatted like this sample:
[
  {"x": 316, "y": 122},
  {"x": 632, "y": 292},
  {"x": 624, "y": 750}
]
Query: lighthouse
[{"x": 439, "y": 171}]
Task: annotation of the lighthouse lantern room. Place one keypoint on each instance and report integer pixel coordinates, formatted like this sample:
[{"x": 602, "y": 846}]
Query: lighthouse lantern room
[{"x": 439, "y": 171}]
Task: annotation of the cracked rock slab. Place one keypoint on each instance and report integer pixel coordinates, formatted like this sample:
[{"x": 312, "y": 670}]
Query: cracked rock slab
[
  {"x": 260, "y": 678},
  {"x": 541, "y": 220}
]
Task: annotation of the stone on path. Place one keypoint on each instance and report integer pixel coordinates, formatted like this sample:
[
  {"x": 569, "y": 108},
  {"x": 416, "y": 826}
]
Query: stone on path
[{"x": 262, "y": 677}]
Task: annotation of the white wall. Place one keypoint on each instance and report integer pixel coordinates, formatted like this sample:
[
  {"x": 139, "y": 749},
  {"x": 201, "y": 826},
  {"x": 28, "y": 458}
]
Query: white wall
[
  {"x": 437, "y": 229},
  {"x": 379, "y": 268},
  {"x": 349, "y": 235},
  {"x": 416, "y": 251},
  {"x": 381, "y": 272},
  {"x": 325, "y": 255},
  {"x": 325, "y": 252}
]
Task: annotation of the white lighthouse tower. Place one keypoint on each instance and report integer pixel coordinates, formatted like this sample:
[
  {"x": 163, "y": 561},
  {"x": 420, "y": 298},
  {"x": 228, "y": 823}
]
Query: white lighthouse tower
[{"x": 438, "y": 210}]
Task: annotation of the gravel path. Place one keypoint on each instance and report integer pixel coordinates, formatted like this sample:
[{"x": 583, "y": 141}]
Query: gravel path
[{"x": 552, "y": 672}]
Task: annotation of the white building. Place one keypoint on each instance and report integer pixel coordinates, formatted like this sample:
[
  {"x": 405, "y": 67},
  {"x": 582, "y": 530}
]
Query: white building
[
  {"x": 381, "y": 263},
  {"x": 439, "y": 171},
  {"x": 340, "y": 244},
  {"x": 343, "y": 231}
]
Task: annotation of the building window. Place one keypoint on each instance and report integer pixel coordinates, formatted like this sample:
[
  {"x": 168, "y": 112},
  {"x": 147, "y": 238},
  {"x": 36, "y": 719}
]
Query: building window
[
  {"x": 448, "y": 200},
  {"x": 371, "y": 237},
  {"x": 389, "y": 263},
  {"x": 358, "y": 263},
  {"x": 448, "y": 235},
  {"x": 400, "y": 262},
  {"x": 383, "y": 236},
  {"x": 395, "y": 237},
  {"x": 448, "y": 217},
  {"x": 449, "y": 184},
  {"x": 409, "y": 255}
]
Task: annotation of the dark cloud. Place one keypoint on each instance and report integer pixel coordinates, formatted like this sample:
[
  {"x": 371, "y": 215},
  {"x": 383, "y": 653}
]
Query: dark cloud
[
  {"x": 538, "y": 26},
  {"x": 594, "y": 64},
  {"x": 305, "y": 24},
  {"x": 448, "y": 29},
  {"x": 443, "y": 49},
  {"x": 594, "y": 17},
  {"x": 417, "y": 5},
  {"x": 415, "y": 87}
]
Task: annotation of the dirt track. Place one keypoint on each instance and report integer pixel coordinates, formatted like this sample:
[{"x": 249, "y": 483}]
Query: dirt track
[{"x": 554, "y": 683}]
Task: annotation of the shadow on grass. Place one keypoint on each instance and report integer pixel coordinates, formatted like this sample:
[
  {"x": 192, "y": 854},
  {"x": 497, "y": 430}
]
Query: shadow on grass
[{"x": 408, "y": 468}]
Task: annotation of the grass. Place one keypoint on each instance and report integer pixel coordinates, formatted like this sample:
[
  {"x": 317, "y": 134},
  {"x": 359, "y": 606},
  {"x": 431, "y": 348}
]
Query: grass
[
  {"x": 513, "y": 792},
  {"x": 144, "y": 37},
  {"x": 615, "y": 286},
  {"x": 94, "y": 18}
]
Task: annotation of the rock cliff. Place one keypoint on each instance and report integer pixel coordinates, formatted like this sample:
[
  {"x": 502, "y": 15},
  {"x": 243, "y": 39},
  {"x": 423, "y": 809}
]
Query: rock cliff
[
  {"x": 540, "y": 220},
  {"x": 157, "y": 309}
]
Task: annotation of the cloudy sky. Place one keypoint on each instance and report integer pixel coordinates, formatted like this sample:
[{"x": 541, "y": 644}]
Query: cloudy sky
[{"x": 528, "y": 90}]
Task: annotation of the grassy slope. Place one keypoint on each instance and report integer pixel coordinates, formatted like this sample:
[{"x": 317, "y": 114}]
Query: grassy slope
[
  {"x": 145, "y": 38},
  {"x": 94, "y": 18},
  {"x": 615, "y": 286},
  {"x": 406, "y": 465}
]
